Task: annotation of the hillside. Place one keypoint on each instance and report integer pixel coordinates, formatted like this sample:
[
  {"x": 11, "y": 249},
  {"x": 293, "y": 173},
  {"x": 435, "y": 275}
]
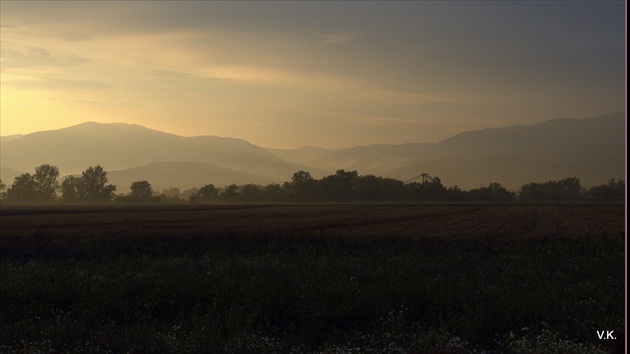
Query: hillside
[
  {"x": 592, "y": 149},
  {"x": 122, "y": 146}
]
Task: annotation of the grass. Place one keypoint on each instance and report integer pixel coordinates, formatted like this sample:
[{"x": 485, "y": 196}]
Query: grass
[{"x": 246, "y": 292}]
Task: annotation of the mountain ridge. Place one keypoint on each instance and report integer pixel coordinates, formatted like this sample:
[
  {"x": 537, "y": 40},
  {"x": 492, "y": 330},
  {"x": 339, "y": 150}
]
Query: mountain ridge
[{"x": 590, "y": 148}]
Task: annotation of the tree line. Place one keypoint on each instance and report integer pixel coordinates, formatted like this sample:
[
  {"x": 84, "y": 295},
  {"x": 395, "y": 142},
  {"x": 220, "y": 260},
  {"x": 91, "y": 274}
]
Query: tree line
[{"x": 92, "y": 186}]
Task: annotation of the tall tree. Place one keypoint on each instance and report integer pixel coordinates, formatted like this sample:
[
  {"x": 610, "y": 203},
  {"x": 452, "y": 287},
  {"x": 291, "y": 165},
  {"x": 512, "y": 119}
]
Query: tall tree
[
  {"x": 141, "y": 191},
  {"x": 47, "y": 179},
  {"x": 230, "y": 193},
  {"x": 615, "y": 189},
  {"x": 3, "y": 188},
  {"x": 493, "y": 192},
  {"x": 273, "y": 192},
  {"x": 569, "y": 188},
  {"x": 207, "y": 193},
  {"x": 340, "y": 186},
  {"x": 566, "y": 189},
  {"x": 303, "y": 186},
  {"x": 172, "y": 193},
  {"x": 24, "y": 189},
  {"x": 93, "y": 185},
  {"x": 427, "y": 190},
  {"x": 251, "y": 193},
  {"x": 70, "y": 188},
  {"x": 38, "y": 187},
  {"x": 188, "y": 194}
]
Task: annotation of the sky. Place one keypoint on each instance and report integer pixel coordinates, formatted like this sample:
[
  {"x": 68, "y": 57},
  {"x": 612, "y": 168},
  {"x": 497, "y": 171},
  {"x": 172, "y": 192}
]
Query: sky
[{"x": 328, "y": 74}]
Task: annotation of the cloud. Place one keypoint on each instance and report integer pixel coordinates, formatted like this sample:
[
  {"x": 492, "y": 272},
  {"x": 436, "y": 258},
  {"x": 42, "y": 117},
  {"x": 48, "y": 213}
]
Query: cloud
[
  {"x": 174, "y": 76},
  {"x": 8, "y": 32},
  {"x": 38, "y": 57},
  {"x": 55, "y": 84},
  {"x": 74, "y": 37},
  {"x": 371, "y": 64}
]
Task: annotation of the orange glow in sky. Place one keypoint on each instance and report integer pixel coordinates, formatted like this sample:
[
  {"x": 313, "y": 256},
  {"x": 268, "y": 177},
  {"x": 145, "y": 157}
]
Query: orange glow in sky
[{"x": 326, "y": 74}]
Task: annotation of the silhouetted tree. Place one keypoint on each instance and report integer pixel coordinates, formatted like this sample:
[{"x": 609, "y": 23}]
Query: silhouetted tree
[
  {"x": 189, "y": 193},
  {"x": 141, "y": 191},
  {"x": 368, "y": 188},
  {"x": 172, "y": 193},
  {"x": 274, "y": 193},
  {"x": 3, "y": 188},
  {"x": 393, "y": 189},
  {"x": 339, "y": 186},
  {"x": 288, "y": 191},
  {"x": 24, "y": 189},
  {"x": 569, "y": 188},
  {"x": 532, "y": 191},
  {"x": 566, "y": 189},
  {"x": 230, "y": 193},
  {"x": 250, "y": 193},
  {"x": 493, "y": 192},
  {"x": 206, "y": 193},
  {"x": 93, "y": 185},
  {"x": 614, "y": 190},
  {"x": 47, "y": 179},
  {"x": 70, "y": 189},
  {"x": 39, "y": 187},
  {"x": 454, "y": 193},
  {"x": 372, "y": 188},
  {"x": 303, "y": 186},
  {"x": 428, "y": 190}
]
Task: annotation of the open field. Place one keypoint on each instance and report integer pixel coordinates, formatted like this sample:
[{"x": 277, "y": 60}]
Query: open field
[
  {"x": 311, "y": 278},
  {"x": 415, "y": 221}
]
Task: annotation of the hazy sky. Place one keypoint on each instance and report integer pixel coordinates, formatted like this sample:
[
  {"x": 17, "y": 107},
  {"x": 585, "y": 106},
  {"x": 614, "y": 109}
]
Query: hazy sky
[{"x": 331, "y": 74}]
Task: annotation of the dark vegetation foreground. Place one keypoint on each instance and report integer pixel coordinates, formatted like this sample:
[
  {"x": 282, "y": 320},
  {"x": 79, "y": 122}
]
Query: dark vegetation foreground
[{"x": 328, "y": 278}]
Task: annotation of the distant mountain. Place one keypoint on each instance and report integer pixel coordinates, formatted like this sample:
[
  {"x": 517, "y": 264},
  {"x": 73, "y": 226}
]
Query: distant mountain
[
  {"x": 4, "y": 139},
  {"x": 539, "y": 140},
  {"x": 118, "y": 146},
  {"x": 306, "y": 155},
  {"x": 592, "y": 149},
  {"x": 122, "y": 146}
]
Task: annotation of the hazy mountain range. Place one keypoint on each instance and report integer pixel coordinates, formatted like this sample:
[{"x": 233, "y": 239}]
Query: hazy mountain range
[{"x": 592, "y": 149}]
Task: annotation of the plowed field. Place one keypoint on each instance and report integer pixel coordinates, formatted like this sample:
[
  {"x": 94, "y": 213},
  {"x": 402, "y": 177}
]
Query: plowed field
[{"x": 415, "y": 221}]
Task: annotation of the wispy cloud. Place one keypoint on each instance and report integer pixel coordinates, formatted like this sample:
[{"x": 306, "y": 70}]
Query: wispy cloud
[
  {"x": 74, "y": 37},
  {"x": 55, "y": 84},
  {"x": 326, "y": 70},
  {"x": 173, "y": 76},
  {"x": 12, "y": 31},
  {"x": 39, "y": 57}
]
